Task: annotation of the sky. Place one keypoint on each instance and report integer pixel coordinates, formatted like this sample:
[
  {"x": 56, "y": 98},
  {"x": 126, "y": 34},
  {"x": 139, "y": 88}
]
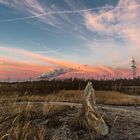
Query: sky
[{"x": 93, "y": 37}]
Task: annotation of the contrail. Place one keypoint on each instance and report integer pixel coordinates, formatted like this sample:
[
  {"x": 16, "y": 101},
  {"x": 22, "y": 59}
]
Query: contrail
[
  {"x": 54, "y": 12},
  {"x": 111, "y": 10},
  {"x": 61, "y": 12}
]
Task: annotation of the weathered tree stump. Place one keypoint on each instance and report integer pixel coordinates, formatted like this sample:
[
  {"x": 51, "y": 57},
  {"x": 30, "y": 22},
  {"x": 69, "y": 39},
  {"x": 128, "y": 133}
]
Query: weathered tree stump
[
  {"x": 90, "y": 113},
  {"x": 89, "y": 116}
]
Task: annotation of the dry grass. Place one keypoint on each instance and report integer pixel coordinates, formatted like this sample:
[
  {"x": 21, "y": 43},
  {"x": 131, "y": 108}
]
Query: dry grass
[
  {"x": 103, "y": 97},
  {"x": 76, "y": 96},
  {"x": 18, "y": 121},
  {"x": 116, "y": 98}
]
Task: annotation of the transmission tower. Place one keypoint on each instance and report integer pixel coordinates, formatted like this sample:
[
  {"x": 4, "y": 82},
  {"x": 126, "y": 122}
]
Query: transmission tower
[{"x": 133, "y": 66}]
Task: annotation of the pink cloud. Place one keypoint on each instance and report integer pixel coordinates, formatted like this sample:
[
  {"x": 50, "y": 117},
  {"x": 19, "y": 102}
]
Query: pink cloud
[
  {"x": 92, "y": 22},
  {"x": 21, "y": 69},
  {"x": 121, "y": 23},
  {"x": 125, "y": 14},
  {"x": 41, "y": 58}
]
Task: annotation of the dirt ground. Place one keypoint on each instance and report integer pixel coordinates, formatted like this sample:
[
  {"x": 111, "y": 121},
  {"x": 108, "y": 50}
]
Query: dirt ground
[{"x": 124, "y": 124}]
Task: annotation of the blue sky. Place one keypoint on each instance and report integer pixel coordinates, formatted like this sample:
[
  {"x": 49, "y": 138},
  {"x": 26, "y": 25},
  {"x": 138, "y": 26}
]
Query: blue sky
[{"x": 102, "y": 35}]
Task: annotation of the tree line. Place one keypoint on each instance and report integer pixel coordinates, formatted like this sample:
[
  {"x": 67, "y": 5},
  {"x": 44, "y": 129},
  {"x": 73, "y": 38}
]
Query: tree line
[{"x": 54, "y": 86}]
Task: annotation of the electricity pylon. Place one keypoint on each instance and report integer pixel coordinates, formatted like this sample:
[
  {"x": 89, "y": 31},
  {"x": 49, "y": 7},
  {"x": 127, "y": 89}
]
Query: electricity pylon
[{"x": 133, "y": 66}]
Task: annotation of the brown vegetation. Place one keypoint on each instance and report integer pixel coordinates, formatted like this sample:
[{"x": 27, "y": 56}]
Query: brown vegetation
[
  {"x": 23, "y": 120},
  {"x": 47, "y": 122},
  {"x": 76, "y": 96},
  {"x": 17, "y": 121}
]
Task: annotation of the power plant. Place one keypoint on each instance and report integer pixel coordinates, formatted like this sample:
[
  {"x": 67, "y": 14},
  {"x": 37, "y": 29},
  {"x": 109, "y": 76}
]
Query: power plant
[{"x": 53, "y": 74}]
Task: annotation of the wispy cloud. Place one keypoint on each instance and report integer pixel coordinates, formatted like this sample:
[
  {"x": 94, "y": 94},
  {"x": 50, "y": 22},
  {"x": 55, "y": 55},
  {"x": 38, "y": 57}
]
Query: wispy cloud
[
  {"x": 108, "y": 20},
  {"x": 16, "y": 69},
  {"x": 38, "y": 11},
  {"x": 41, "y": 58},
  {"x": 32, "y": 8},
  {"x": 122, "y": 21},
  {"x": 117, "y": 30}
]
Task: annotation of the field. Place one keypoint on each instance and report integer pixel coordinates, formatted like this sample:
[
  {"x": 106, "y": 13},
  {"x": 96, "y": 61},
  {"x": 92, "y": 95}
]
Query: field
[
  {"x": 30, "y": 117},
  {"x": 76, "y": 96}
]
